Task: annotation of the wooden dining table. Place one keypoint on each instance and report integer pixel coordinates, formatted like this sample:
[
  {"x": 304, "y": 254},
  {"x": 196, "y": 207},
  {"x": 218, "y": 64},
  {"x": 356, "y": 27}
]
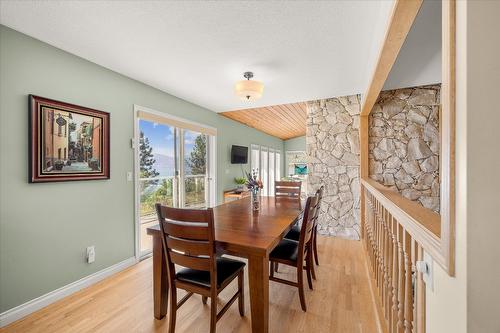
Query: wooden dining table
[{"x": 239, "y": 232}]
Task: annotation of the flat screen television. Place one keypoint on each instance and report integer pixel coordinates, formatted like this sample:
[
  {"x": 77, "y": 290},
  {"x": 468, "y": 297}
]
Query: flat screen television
[{"x": 239, "y": 155}]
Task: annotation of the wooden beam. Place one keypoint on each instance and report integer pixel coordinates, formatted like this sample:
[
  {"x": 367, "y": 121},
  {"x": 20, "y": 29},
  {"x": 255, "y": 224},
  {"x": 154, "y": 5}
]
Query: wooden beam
[
  {"x": 364, "y": 145},
  {"x": 447, "y": 129},
  {"x": 402, "y": 17}
]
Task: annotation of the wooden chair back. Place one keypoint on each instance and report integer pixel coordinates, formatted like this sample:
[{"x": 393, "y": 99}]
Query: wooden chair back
[
  {"x": 308, "y": 225},
  {"x": 188, "y": 239},
  {"x": 319, "y": 193},
  {"x": 287, "y": 190}
]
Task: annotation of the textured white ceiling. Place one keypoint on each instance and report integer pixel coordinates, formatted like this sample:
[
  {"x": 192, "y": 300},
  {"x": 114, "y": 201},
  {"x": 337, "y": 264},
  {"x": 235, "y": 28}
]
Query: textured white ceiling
[{"x": 197, "y": 50}]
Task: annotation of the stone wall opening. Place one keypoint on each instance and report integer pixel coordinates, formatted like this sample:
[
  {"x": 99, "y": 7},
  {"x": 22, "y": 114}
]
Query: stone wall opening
[
  {"x": 404, "y": 143},
  {"x": 404, "y": 147}
]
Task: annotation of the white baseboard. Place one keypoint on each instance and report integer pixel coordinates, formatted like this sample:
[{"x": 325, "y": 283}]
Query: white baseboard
[{"x": 36, "y": 304}]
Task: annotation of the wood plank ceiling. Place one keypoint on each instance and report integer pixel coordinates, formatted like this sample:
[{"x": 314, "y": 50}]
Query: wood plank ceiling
[{"x": 285, "y": 121}]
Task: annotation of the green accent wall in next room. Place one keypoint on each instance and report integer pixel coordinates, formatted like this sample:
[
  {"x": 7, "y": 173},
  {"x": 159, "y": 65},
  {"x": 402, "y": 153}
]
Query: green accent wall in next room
[{"x": 45, "y": 228}]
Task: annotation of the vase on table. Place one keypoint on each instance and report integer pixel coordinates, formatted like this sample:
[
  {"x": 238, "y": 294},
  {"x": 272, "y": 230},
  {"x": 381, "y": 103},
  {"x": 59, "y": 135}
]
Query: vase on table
[{"x": 255, "y": 200}]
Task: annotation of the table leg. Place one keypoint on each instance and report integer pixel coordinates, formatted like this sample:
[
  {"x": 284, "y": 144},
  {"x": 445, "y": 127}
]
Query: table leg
[
  {"x": 160, "y": 279},
  {"x": 258, "y": 273}
]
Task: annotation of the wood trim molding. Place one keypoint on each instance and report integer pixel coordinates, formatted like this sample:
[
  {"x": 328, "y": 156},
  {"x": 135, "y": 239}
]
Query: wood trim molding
[
  {"x": 435, "y": 234},
  {"x": 402, "y": 18},
  {"x": 447, "y": 160}
]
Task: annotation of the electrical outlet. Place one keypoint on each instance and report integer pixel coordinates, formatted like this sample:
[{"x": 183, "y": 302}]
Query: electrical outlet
[{"x": 91, "y": 254}]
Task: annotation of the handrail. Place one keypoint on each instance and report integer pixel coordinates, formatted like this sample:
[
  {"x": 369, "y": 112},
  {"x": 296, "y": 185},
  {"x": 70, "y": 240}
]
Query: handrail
[{"x": 422, "y": 224}]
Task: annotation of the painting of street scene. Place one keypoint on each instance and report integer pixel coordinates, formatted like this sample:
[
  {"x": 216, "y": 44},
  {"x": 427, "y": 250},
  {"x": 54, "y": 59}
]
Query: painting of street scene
[
  {"x": 72, "y": 142},
  {"x": 68, "y": 141}
]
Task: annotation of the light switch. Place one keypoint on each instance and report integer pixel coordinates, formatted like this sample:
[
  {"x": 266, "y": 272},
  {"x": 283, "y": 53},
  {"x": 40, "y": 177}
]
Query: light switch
[
  {"x": 90, "y": 254},
  {"x": 130, "y": 176}
]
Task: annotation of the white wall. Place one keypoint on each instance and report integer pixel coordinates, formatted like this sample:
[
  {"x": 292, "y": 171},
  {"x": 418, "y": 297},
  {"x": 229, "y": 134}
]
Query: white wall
[
  {"x": 447, "y": 304},
  {"x": 419, "y": 61},
  {"x": 470, "y": 302},
  {"x": 483, "y": 166}
]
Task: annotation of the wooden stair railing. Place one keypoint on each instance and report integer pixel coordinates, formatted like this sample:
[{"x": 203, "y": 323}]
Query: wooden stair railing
[
  {"x": 396, "y": 231},
  {"x": 392, "y": 255}
]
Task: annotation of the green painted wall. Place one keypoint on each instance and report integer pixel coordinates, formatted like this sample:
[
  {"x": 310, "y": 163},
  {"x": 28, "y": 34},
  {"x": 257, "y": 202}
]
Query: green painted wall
[
  {"x": 45, "y": 228},
  {"x": 295, "y": 144}
]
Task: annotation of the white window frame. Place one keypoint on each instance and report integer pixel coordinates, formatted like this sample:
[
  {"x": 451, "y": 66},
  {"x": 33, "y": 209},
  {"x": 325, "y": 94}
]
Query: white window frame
[
  {"x": 277, "y": 166},
  {"x": 211, "y": 173}
]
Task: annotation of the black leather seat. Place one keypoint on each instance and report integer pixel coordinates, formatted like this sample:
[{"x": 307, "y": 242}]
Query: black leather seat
[
  {"x": 226, "y": 269},
  {"x": 286, "y": 249}
]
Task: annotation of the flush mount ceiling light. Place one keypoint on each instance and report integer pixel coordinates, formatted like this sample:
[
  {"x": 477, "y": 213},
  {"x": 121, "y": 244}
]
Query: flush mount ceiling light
[{"x": 249, "y": 89}]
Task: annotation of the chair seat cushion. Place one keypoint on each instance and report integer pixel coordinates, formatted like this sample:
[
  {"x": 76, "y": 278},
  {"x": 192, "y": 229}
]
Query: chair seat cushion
[
  {"x": 226, "y": 269},
  {"x": 286, "y": 250}
]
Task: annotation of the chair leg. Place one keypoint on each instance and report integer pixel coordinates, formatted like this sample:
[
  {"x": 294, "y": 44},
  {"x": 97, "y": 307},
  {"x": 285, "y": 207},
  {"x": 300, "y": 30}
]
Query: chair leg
[
  {"x": 276, "y": 267},
  {"x": 313, "y": 272},
  {"x": 300, "y": 280},
  {"x": 311, "y": 267},
  {"x": 271, "y": 268},
  {"x": 241, "y": 293},
  {"x": 173, "y": 310},
  {"x": 315, "y": 245},
  {"x": 204, "y": 299},
  {"x": 308, "y": 269},
  {"x": 213, "y": 313}
]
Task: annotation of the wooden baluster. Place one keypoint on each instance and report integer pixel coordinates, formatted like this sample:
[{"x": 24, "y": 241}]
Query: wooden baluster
[
  {"x": 401, "y": 281},
  {"x": 377, "y": 262},
  {"x": 379, "y": 251},
  {"x": 384, "y": 261},
  {"x": 377, "y": 259},
  {"x": 413, "y": 258},
  {"x": 384, "y": 254},
  {"x": 420, "y": 295},
  {"x": 370, "y": 234},
  {"x": 394, "y": 312},
  {"x": 369, "y": 231},
  {"x": 408, "y": 308},
  {"x": 387, "y": 279}
]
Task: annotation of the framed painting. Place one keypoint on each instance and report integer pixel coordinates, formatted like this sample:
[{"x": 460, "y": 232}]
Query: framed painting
[{"x": 67, "y": 142}]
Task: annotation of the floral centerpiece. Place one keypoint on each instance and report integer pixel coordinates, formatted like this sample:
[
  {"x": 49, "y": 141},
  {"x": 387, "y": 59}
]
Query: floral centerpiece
[{"x": 254, "y": 185}]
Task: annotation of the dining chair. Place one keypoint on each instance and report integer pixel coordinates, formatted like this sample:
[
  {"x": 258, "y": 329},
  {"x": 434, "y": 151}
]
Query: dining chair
[
  {"x": 293, "y": 253},
  {"x": 287, "y": 190},
  {"x": 294, "y": 233},
  {"x": 189, "y": 241}
]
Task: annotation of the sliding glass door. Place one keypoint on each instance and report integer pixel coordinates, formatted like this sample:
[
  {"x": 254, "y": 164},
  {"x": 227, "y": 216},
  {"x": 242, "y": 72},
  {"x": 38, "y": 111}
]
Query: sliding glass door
[
  {"x": 173, "y": 169},
  {"x": 157, "y": 160}
]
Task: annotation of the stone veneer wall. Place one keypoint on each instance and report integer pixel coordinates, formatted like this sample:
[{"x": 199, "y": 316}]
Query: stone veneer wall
[
  {"x": 404, "y": 143},
  {"x": 332, "y": 143}
]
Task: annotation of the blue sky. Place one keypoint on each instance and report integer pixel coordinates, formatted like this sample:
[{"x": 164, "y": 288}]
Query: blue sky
[{"x": 161, "y": 138}]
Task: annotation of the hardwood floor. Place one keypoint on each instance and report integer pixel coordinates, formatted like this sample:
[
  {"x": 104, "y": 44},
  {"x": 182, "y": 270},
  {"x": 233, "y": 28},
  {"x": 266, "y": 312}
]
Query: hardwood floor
[{"x": 340, "y": 302}]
